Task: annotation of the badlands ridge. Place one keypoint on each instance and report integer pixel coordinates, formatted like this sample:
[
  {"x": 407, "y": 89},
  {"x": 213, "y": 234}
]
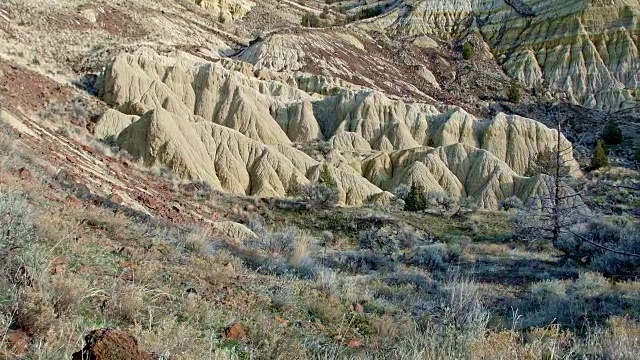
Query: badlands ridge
[{"x": 244, "y": 129}]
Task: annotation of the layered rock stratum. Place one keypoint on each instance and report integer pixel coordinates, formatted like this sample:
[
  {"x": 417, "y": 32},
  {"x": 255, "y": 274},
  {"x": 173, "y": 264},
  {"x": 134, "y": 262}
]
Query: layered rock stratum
[
  {"x": 242, "y": 129},
  {"x": 586, "y": 48}
]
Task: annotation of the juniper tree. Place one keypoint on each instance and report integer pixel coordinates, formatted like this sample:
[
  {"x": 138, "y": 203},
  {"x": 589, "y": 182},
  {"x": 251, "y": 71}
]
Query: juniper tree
[
  {"x": 416, "y": 200},
  {"x": 599, "y": 158},
  {"x": 515, "y": 92},
  {"x": 467, "y": 51},
  {"x": 612, "y": 134}
]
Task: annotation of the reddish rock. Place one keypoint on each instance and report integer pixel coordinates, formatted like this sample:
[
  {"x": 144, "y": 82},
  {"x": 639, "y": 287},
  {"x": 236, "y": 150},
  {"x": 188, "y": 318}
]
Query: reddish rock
[
  {"x": 18, "y": 341},
  {"x": 71, "y": 159},
  {"x": 354, "y": 343},
  {"x": 128, "y": 274},
  {"x": 128, "y": 251},
  {"x": 282, "y": 321},
  {"x": 152, "y": 203},
  {"x": 116, "y": 199},
  {"x": 74, "y": 201},
  {"x": 236, "y": 331},
  {"x": 110, "y": 344},
  {"x": 357, "y": 307},
  {"x": 25, "y": 174}
]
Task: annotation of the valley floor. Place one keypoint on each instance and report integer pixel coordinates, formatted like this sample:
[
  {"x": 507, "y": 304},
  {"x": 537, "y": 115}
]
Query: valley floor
[{"x": 344, "y": 283}]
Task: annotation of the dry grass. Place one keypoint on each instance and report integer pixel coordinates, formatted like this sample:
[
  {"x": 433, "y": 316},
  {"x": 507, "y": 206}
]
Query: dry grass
[{"x": 177, "y": 288}]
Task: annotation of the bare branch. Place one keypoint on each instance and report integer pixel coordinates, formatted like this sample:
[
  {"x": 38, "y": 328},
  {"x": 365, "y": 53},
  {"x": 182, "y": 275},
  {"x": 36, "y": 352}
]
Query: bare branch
[
  {"x": 637, "y": 188},
  {"x": 602, "y": 246}
]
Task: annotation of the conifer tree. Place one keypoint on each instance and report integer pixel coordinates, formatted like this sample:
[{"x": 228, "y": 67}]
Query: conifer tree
[
  {"x": 416, "y": 200},
  {"x": 467, "y": 51},
  {"x": 612, "y": 135},
  {"x": 599, "y": 158},
  {"x": 327, "y": 179},
  {"x": 515, "y": 92}
]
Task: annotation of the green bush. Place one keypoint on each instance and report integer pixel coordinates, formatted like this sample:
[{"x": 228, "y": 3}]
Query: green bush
[
  {"x": 416, "y": 200},
  {"x": 599, "y": 158},
  {"x": 310, "y": 20},
  {"x": 623, "y": 237},
  {"x": 612, "y": 135},
  {"x": 467, "y": 51},
  {"x": 515, "y": 92},
  {"x": 545, "y": 163}
]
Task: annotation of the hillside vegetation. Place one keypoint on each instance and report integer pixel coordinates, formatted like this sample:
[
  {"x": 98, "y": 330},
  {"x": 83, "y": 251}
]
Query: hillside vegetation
[{"x": 199, "y": 179}]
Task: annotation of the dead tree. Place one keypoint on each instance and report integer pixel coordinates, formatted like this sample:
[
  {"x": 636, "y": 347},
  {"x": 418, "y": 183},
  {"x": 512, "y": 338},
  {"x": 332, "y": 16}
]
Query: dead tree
[{"x": 562, "y": 210}]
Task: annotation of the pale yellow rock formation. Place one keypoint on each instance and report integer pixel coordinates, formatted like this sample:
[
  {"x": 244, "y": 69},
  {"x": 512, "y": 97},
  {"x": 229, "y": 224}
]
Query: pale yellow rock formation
[
  {"x": 222, "y": 123},
  {"x": 226, "y": 10},
  {"x": 232, "y": 230},
  {"x": 588, "y": 48},
  {"x": 113, "y": 122}
]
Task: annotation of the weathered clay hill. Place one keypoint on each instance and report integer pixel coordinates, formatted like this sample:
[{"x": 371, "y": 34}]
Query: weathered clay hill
[
  {"x": 586, "y": 48},
  {"x": 241, "y": 130}
]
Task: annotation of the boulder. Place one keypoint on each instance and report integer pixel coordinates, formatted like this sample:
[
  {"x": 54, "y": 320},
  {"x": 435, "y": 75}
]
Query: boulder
[{"x": 111, "y": 344}]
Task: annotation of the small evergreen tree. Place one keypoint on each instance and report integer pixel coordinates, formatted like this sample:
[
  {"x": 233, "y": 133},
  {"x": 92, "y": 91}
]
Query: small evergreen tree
[
  {"x": 545, "y": 163},
  {"x": 326, "y": 178},
  {"x": 515, "y": 92},
  {"x": 310, "y": 20},
  {"x": 612, "y": 135},
  {"x": 467, "y": 51},
  {"x": 599, "y": 158},
  {"x": 416, "y": 200},
  {"x": 325, "y": 13}
]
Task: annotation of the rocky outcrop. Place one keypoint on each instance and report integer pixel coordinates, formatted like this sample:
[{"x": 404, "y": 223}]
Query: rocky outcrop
[
  {"x": 587, "y": 48},
  {"x": 232, "y": 230},
  {"x": 226, "y": 10},
  {"x": 109, "y": 344},
  {"x": 236, "y": 131}
]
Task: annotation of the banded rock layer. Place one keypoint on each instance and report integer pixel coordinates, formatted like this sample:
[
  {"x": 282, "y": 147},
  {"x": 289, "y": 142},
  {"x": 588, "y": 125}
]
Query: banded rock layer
[
  {"x": 589, "y": 48},
  {"x": 239, "y": 130},
  {"x": 586, "y": 48}
]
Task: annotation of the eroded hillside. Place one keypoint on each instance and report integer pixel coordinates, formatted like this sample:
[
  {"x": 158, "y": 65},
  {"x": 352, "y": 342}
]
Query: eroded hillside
[{"x": 208, "y": 121}]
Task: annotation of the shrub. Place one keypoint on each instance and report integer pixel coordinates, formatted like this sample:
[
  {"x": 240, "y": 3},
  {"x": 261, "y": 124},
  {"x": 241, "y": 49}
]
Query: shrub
[
  {"x": 612, "y": 134},
  {"x": 619, "y": 237},
  {"x": 402, "y": 191},
  {"x": 599, "y": 158},
  {"x": 279, "y": 242},
  {"x": 325, "y": 13},
  {"x": 310, "y": 20},
  {"x": 512, "y": 202},
  {"x": 515, "y": 92},
  {"x": 326, "y": 178},
  {"x": 415, "y": 200},
  {"x": 434, "y": 257},
  {"x": 361, "y": 262},
  {"x": 442, "y": 200},
  {"x": 378, "y": 241},
  {"x": 319, "y": 196},
  {"x": 16, "y": 223},
  {"x": 430, "y": 257},
  {"x": 545, "y": 162},
  {"x": 366, "y": 13},
  {"x": 469, "y": 204},
  {"x": 467, "y": 50},
  {"x": 416, "y": 279}
]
